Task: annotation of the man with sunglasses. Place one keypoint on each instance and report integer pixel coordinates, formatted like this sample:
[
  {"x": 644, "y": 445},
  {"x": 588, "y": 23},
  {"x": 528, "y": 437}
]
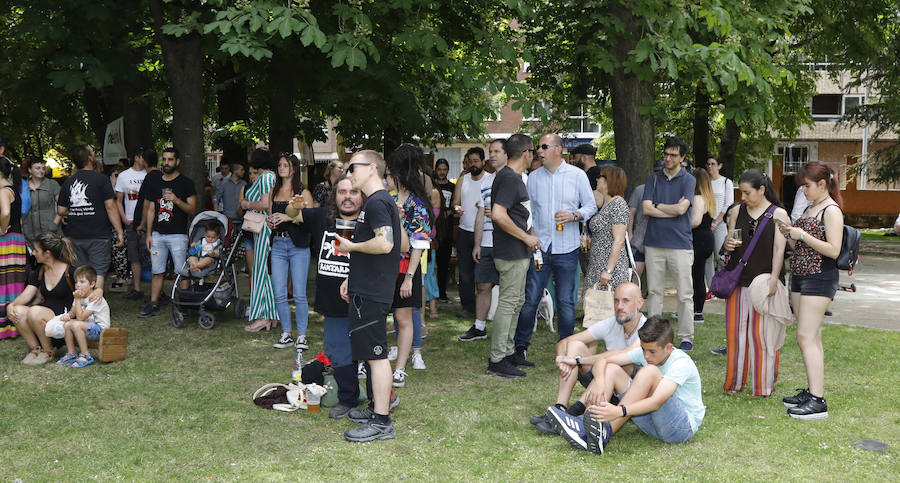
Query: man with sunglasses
[
  {"x": 561, "y": 198},
  {"x": 376, "y": 248},
  {"x": 668, "y": 242}
]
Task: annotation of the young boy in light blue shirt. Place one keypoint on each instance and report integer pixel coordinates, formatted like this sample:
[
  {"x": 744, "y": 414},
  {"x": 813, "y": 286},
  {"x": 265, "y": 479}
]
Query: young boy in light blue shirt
[{"x": 663, "y": 399}]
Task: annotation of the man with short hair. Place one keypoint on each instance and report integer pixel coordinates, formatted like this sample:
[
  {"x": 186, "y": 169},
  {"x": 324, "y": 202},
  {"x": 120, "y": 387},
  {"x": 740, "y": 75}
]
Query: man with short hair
[
  {"x": 514, "y": 242},
  {"x": 465, "y": 206},
  {"x": 228, "y": 193},
  {"x": 576, "y": 355},
  {"x": 583, "y": 156},
  {"x": 128, "y": 188},
  {"x": 668, "y": 242},
  {"x": 486, "y": 275},
  {"x": 171, "y": 200},
  {"x": 376, "y": 248},
  {"x": 87, "y": 203},
  {"x": 561, "y": 198}
]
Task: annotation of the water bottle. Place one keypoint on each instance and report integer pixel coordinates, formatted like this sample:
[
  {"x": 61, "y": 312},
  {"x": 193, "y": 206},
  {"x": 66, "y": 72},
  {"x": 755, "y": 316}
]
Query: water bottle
[{"x": 297, "y": 370}]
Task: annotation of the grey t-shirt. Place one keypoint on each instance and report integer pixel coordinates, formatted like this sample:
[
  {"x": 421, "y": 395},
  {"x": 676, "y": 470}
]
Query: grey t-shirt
[{"x": 640, "y": 221}]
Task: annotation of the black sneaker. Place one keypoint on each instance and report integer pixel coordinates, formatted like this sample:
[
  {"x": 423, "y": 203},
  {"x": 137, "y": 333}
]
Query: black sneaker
[
  {"x": 800, "y": 398},
  {"x": 597, "y": 434},
  {"x": 284, "y": 342},
  {"x": 150, "y": 309},
  {"x": 504, "y": 369},
  {"x": 535, "y": 420},
  {"x": 133, "y": 295},
  {"x": 473, "y": 334},
  {"x": 570, "y": 427},
  {"x": 301, "y": 343},
  {"x": 339, "y": 411},
  {"x": 812, "y": 408},
  {"x": 686, "y": 346},
  {"x": 546, "y": 428},
  {"x": 517, "y": 359},
  {"x": 371, "y": 431},
  {"x": 365, "y": 414},
  {"x": 720, "y": 351},
  {"x": 698, "y": 318},
  {"x": 464, "y": 314}
]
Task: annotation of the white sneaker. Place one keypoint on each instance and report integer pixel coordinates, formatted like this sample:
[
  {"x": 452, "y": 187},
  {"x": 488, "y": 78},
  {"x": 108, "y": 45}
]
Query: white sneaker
[
  {"x": 392, "y": 355},
  {"x": 418, "y": 363},
  {"x": 399, "y": 378}
]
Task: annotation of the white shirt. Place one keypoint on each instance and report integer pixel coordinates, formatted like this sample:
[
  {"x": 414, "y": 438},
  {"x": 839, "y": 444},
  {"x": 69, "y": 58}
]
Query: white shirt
[
  {"x": 100, "y": 309},
  {"x": 129, "y": 184},
  {"x": 800, "y": 204},
  {"x": 613, "y": 334},
  {"x": 723, "y": 192},
  {"x": 469, "y": 195}
]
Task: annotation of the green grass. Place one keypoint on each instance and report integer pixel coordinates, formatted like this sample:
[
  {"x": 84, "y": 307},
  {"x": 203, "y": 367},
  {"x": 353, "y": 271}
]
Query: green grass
[
  {"x": 179, "y": 408},
  {"x": 878, "y": 236}
]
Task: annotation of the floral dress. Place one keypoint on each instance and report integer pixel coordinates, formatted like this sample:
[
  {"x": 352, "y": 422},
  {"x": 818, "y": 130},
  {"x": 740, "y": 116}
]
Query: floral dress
[
  {"x": 262, "y": 296},
  {"x": 614, "y": 212}
]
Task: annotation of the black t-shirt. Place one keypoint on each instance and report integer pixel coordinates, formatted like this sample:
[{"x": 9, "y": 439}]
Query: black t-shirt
[
  {"x": 592, "y": 174},
  {"x": 60, "y": 298},
  {"x": 83, "y": 194},
  {"x": 142, "y": 196},
  {"x": 371, "y": 275},
  {"x": 170, "y": 220},
  {"x": 446, "y": 190},
  {"x": 510, "y": 192},
  {"x": 332, "y": 267}
]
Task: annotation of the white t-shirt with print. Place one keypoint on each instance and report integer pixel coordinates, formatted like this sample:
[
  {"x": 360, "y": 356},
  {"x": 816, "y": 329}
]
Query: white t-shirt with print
[{"x": 129, "y": 184}]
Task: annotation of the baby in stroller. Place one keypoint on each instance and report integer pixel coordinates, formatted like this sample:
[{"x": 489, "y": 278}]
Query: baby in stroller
[{"x": 204, "y": 253}]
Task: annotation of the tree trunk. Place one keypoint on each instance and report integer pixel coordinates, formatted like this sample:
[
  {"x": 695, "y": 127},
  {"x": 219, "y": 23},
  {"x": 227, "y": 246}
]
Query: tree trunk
[
  {"x": 96, "y": 110},
  {"x": 282, "y": 121},
  {"x": 701, "y": 127},
  {"x": 231, "y": 97},
  {"x": 138, "y": 114},
  {"x": 183, "y": 57},
  {"x": 730, "y": 140}
]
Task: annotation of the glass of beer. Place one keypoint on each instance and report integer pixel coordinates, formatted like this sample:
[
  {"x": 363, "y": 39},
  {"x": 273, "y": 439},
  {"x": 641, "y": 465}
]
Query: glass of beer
[
  {"x": 559, "y": 226},
  {"x": 736, "y": 235},
  {"x": 344, "y": 228}
]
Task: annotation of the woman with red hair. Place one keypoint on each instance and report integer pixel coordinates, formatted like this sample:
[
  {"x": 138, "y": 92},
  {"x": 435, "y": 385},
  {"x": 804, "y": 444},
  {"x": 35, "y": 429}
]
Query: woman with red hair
[{"x": 816, "y": 239}]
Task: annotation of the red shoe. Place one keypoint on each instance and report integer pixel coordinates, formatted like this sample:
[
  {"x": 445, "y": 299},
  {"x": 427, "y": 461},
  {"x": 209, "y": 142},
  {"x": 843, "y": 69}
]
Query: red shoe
[{"x": 709, "y": 295}]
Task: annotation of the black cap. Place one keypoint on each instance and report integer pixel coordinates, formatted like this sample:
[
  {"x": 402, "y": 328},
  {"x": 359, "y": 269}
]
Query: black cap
[{"x": 584, "y": 149}]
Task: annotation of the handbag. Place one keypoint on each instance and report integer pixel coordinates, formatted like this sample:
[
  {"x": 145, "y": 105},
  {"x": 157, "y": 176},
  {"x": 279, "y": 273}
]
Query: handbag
[
  {"x": 849, "y": 254},
  {"x": 724, "y": 281},
  {"x": 632, "y": 271},
  {"x": 598, "y": 304},
  {"x": 253, "y": 221}
]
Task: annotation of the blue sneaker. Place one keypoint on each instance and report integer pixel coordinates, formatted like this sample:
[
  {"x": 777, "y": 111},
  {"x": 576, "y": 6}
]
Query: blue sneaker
[
  {"x": 570, "y": 427},
  {"x": 686, "y": 346},
  {"x": 597, "y": 434}
]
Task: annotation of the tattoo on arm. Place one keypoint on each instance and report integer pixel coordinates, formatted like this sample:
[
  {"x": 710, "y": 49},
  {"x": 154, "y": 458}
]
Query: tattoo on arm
[{"x": 386, "y": 232}]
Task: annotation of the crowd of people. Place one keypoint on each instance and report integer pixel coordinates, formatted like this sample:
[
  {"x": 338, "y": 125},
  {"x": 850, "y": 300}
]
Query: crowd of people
[{"x": 519, "y": 219}]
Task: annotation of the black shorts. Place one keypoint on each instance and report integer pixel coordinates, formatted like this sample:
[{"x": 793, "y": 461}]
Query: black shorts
[
  {"x": 485, "y": 270},
  {"x": 816, "y": 287},
  {"x": 134, "y": 243},
  {"x": 94, "y": 252},
  {"x": 414, "y": 300},
  {"x": 368, "y": 335}
]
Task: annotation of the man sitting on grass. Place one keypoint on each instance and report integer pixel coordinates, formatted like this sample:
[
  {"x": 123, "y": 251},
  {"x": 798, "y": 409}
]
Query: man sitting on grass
[
  {"x": 576, "y": 354},
  {"x": 663, "y": 398}
]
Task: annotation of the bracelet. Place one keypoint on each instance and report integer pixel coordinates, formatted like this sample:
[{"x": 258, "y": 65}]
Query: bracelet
[
  {"x": 578, "y": 361},
  {"x": 624, "y": 411}
]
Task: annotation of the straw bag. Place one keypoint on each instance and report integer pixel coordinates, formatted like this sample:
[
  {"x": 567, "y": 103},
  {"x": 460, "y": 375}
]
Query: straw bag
[{"x": 598, "y": 304}]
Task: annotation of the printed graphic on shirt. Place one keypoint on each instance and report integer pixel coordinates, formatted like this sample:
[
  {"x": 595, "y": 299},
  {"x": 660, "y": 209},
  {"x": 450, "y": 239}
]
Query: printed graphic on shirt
[
  {"x": 332, "y": 263},
  {"x": 165, "y": 210},
  {"x": 78, "y": 197}
]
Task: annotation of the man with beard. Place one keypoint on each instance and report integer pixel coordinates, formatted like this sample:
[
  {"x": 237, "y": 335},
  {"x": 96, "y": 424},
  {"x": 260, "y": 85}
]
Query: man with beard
[
  {"x": 576, "y": 355},
  {"x": 445, "y": 232},
  {"x": 376, "y": 246},
  {"x": 170, "y": 200},
  {"x": 583, "y": 157},
  {"x": 465, "y": 205}
]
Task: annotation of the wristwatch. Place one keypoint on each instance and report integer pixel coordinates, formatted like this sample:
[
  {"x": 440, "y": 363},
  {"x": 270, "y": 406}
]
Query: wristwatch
[
  {"x": 410, "y": 275},
  {"x": 578, "y": 361}
]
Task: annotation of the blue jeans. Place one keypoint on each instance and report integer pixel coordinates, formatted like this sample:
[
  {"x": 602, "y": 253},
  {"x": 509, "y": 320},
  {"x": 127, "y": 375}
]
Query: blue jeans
[
  {"x": 161, "y": 246},
  {"x": 289, "y": 259},
  {"x": 564, "y": 267},
  {"x": 336, "y": 339},
  {"x": 670, "y": 423},
  {"x": 417, "y": 327}
]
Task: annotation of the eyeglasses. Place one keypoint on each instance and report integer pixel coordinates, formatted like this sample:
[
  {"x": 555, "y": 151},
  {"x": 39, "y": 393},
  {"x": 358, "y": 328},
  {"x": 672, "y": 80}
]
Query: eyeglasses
[
  {"x": 547, "y": 146},
  {"x": 354, "y": 165},
  {"x": 532, "y": 151}
]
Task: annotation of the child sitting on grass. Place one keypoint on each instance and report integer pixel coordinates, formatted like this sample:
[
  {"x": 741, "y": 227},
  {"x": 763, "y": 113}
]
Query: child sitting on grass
[
  {"x": 204, "y": 253},
  {"x": 86, "y": 319}
]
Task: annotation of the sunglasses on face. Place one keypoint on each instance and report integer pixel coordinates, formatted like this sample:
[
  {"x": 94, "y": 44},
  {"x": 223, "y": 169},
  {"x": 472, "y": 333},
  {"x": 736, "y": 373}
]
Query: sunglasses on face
[
  {"x": 547, "y": 146},
  {"x": 354, "y": 165}
]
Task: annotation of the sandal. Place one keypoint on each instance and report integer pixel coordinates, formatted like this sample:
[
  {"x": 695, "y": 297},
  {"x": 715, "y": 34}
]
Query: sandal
[
  {"x": 83, "y": 360},
  {"x": 259, "y": 325},
  {"x": 67, "y": 359},
  {"x": 32, "y": 355}
]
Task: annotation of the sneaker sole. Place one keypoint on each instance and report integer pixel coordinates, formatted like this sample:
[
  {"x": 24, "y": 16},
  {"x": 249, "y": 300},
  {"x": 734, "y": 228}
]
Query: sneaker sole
[
  {"x": 808, "y": 417},
  {"x": 594, "y": 434},
  {"x": 398, "y": 384},
  {"x": 376, "y": 437},
  {"x": 147, "y": 316},
  {"x": 789, "y": 405},
  {"x": 338, "y": 416},
  {"x": 281, "y": 346},
  {"x": 303, "y": 347},
  {"x": 502, "y": 374},
  {"x": 566, "y": 432},
  {"x": 470, "y": 339}
]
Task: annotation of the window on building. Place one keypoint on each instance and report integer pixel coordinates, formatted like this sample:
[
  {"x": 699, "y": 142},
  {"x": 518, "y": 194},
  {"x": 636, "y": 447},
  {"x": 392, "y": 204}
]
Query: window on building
[
  {"x": 794, "y": 157},
  {"x": 826, "y": 106},
  {"x": 582, "y": 122}
]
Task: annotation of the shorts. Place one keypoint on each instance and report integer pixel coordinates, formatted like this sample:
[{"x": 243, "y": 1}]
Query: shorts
[
  {"x": 588, "y": 377},
  {"x": 816, "y": 287},
  {"x": 638, "y": 254},
  {"x": 161, "y": 246},
  {"x": 93, "y": 331},
  {"x": 414, "y": 300},
  {"x": 670, "y": 423},
  {"x": 94, "y": 252},
  {"x": 134, "y": 242},
  {"x": 485, "y": 270},
  {"x": 368, "y": 334}
]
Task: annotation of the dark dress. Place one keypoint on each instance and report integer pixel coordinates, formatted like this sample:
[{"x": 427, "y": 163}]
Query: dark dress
[{"x": 704, "y": 244}]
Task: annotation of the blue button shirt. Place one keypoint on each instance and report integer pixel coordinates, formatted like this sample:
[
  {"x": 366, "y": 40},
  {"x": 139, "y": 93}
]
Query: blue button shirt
[
  {"x": 565, "y": 189},
  {"x": 670, "y": 232}
]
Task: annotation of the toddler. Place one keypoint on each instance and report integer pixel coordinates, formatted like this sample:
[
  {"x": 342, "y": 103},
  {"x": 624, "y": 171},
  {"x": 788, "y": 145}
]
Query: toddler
[{"x": 205, "y": 252}]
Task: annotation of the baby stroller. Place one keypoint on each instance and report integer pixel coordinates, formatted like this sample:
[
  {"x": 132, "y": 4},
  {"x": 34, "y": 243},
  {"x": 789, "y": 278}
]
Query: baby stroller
[{"x": 214, "y": 287}]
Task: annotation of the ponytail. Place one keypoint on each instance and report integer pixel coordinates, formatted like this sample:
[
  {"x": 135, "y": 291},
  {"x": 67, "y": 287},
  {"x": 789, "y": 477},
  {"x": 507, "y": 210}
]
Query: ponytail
[
  {"x": 758, "y": 179},
  {"x": 816, "y": 171},
  {"x": 61, "y": 248}
]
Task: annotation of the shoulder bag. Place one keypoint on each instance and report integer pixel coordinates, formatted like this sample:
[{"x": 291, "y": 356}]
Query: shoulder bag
[
  {"x": 724, "y": 281},
  {"x": 253, "y": 221},
  {"x": 849, "y": 254}
]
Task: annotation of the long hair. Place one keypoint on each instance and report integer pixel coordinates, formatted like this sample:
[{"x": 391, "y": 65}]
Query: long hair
[
  {"x": 756, "y": 179},
  {"x": 407, "y": 165},
  {"x": 11, "y": 173},
  {"x": 704, "y": 189},
  {"x": 816, "y": 171},
  {"x": 296, "y": 183},
  {"x": 331, "y": 208},
  {"x": 60, "y": 247}
]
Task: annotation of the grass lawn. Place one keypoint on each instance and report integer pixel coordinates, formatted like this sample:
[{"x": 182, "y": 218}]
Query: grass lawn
[
  {"x": 179, "y": 408},
  {"x": 879, "y": 236}
]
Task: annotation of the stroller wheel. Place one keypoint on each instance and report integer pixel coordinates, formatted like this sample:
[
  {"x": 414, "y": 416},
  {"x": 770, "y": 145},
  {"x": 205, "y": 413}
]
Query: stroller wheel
[
  {"x": 240, "y": 308},
  {"x": 206, "y": 320},
  {"x": 177, "y": 317}
]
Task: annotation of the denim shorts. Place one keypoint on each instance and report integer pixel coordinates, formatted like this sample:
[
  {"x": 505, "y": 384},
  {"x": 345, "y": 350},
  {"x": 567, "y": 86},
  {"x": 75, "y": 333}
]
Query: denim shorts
[
  {"x": 670, "y": 423},
  {"x": 93, "y": 331},
  {"x": 815, "y": 287},
  {"x": 162, "y": 246}
]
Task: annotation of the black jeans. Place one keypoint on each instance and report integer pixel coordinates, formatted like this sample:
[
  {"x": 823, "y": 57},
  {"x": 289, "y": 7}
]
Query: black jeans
[
  {"x": 703, "y": 247},
  {"x": 443, "y": 264},
  {"x": 465, "y": 242}
]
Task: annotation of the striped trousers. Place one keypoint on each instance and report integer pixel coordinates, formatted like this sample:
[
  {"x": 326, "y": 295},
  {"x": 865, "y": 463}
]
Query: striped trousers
[{"x": 745, "y": 337}]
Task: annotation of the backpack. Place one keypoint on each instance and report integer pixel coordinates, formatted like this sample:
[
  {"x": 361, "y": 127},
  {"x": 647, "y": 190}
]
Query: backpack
[{"x": 849, "y": 256}]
